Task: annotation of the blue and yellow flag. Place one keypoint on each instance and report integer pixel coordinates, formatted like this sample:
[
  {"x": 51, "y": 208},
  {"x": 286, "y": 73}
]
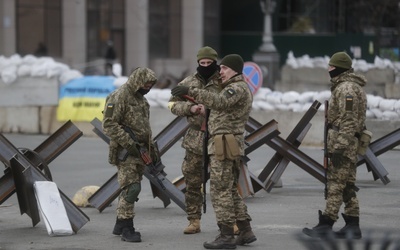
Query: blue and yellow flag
[{"x": 83, "y": 99}]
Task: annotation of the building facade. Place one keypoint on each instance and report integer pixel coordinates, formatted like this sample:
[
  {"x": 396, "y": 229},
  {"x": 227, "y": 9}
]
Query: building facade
[
  {"x": 162, "y": 34},
  {"x": 166, "y": 34}
]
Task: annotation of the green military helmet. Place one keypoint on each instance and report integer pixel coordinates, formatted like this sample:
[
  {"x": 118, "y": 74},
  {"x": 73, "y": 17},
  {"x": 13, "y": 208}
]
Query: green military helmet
[
  {"x": 81, "y": 198},
  {"x": 341, "y": 60},
  {"x": 233, "y": 61},
  {"x": 207, "y": 52}
]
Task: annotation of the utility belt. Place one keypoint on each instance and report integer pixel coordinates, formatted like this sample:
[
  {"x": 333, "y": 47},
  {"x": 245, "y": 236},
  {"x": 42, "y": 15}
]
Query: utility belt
[{"x": 336, "y": 128}]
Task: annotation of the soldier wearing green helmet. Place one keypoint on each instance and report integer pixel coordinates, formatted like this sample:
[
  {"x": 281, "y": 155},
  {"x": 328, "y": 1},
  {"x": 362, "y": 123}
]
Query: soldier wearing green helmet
[
  {"x": 346, "y": 121},
  {"x": 206, "y": 77},
  {"x": 229, "y": 112}
]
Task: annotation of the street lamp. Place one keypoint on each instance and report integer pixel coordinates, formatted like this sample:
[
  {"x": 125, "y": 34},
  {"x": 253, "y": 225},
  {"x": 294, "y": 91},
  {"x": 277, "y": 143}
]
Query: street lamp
[{"x": 267, "y": 56}]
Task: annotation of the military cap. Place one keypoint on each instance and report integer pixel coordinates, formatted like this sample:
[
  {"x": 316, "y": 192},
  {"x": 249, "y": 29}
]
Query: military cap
[
  {"x": 207, "y": 52},
  {"x": 233, "y": 61},
  {"x": 341, "y": 60}
]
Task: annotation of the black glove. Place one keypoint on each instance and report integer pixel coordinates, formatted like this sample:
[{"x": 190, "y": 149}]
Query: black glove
[
  {"x": 337, "y": 158},
  {"x": 133, "y": 150},
  {"x": 180, "y": 90}
]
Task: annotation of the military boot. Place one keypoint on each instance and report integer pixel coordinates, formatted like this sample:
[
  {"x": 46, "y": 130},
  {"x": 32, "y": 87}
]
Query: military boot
[
  {"x": 323, "y": 229},
  {"x": 246, "y": 235},
  {"x": 129, "y": 235},
  {"x": 352, "y": 228},
  {"x": 193, "y": 227},
  {"x": 120, "y": 224},
  {"x": 225, "y": 240}
]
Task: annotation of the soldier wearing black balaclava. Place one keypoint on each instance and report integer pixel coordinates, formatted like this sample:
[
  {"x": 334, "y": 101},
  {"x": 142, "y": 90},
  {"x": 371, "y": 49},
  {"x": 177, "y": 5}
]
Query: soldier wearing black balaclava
[
  {"x": 206, "y": 77},
  {"x": 346, "y": 121}
]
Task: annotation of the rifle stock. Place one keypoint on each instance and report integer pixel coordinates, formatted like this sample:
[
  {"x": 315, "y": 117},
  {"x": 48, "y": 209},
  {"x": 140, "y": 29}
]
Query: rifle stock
[{"x": 326, "y": 156}]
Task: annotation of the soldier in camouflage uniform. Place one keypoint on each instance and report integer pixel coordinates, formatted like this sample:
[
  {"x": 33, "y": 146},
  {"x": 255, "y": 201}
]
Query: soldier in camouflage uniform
[
  {"x": 346, "y": 120},
  {"x": 128, "y": 107},
  {"x": 206, "y": 77},
  {"x": 230, "y": 110}
]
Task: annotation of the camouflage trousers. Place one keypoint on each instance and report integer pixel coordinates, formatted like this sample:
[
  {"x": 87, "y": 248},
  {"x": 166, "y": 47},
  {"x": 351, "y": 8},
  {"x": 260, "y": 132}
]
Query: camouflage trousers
[
  {"x": 341, "y": 189},
  {"x": 192, "y": 168},
  {"x": 130, "y": 171},
  {"x": 227, "y": 203}
]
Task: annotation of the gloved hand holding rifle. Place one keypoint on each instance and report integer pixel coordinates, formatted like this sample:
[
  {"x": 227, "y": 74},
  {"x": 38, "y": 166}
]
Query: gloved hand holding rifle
[{"x": 137, "y": 150}]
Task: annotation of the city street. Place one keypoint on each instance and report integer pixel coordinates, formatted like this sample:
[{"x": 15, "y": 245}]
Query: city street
[{"x": 278, "y": 216}]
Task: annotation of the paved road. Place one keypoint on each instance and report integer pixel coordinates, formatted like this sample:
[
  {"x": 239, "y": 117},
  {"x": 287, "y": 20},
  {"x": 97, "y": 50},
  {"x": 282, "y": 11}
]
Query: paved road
[{"x": 278, "y": 216}]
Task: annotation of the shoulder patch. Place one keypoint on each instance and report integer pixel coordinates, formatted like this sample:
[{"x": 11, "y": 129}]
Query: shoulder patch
[
  {"x": 230, "y": 92},
  {"x": 109, "y": 110},
  {"x": 349, "y": 103}
]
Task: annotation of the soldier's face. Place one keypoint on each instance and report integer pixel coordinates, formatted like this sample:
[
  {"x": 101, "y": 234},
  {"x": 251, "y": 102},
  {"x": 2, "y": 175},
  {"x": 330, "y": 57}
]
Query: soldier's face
[
  {"x": 148, "y": 85},
  {"x": 226, "y": 73},
  {"x": 205, "y": 62}
]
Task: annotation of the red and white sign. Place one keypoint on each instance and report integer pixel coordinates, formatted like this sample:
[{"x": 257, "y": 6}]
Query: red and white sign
[{"x": 253, "y": 75}]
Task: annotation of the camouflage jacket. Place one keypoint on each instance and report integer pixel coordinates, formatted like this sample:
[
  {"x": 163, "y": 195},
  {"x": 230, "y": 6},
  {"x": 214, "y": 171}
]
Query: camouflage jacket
[
  {"x": 193, "y": 138},
  {"x": 126, "y": 107},
  {"x": 346, "y": 112},
  {"x": 230, "y": 109}
]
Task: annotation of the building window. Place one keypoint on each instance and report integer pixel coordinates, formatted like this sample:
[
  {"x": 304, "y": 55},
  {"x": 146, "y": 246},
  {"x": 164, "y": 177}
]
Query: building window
[
  {"x": 39, "y": 27},
  {"x": 212, "y": 24},
  {"x": 105, "y": 25},
  {"x": 165, "y": 29}
]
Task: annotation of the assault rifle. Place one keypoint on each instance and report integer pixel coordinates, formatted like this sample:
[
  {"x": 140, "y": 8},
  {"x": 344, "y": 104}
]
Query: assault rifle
[
  {"x": 326, "y": 156},
  {"x": 144, "y": 154},
  {"x": 205, "y": 159}
]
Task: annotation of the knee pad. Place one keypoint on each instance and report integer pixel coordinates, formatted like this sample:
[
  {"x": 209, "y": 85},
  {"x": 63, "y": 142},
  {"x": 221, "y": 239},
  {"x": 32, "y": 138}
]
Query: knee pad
[{"x": 131, "y": 192}]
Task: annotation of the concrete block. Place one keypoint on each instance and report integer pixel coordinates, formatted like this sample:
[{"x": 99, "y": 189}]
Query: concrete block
[
  {"x": 49, "y": 123},
  {"x": 19, "y": 120},
  {"x": 392, "y": 91},
  {"x": 376, "y": 75},
  {"x": 287, "y": 120},
  {"x": 317, "y": 79},
  {"x": 48, "y": 120},
  {"x": 29, "y": 91}
]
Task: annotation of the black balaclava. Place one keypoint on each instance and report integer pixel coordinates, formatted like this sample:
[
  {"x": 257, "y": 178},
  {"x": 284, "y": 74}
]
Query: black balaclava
[
  {"x": 143, "y": 91},
  {"x": 207, "y": 72},
  {"x": 337, "y": 71}
]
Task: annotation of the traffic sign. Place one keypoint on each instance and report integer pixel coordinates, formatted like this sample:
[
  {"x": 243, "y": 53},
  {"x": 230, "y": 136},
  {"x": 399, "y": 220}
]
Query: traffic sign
[{"x": 253, "y": 75}]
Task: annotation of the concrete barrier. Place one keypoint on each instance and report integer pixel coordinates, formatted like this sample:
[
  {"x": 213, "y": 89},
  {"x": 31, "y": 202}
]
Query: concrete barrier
[
  {"x": 43, "y": 120},
  {"x": 380, "y": 82},
  {"x": 36, "y": 114}
]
